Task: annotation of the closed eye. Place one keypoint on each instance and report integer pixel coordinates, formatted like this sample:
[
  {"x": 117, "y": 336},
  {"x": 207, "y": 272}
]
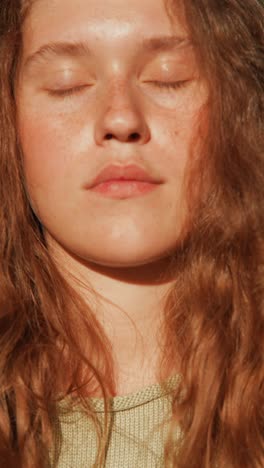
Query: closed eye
[
  {"x": 79, "y": 89},
  {"x": 169, "y": 84},
  {"x": 60, "y": 92}
]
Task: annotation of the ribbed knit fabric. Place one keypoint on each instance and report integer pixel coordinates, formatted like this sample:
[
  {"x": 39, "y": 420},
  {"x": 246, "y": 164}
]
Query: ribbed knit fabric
[{"x": 140, "y": 426}]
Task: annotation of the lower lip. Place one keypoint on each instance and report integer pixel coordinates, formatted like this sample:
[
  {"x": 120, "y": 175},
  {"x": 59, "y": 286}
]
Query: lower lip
[{"x": 123, "y": 188}]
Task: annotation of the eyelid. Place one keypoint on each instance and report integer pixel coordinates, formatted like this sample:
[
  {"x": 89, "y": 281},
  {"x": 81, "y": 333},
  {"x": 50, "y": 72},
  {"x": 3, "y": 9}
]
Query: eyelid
[
  {"x": 67, "y": 91},
  {"x": 172, "y": 85},
  {"x": 169, "y": 84}
]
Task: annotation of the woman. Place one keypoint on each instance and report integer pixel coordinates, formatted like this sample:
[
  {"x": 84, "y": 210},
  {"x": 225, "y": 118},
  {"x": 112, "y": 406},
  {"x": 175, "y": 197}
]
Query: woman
[{"x": 132, "y": 233}]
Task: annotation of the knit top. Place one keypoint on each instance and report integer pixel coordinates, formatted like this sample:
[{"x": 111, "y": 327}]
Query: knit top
[{"x": 140, "y": 423}]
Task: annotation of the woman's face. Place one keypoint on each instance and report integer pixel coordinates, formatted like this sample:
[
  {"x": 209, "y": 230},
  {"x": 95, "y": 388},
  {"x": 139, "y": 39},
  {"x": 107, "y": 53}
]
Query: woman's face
[{"x": 95, "y": 89}]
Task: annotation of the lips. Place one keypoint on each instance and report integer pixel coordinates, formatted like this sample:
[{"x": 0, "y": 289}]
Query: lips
[
  {"x": 123, "y": 182},
  {"x": 124, "y": 173}
]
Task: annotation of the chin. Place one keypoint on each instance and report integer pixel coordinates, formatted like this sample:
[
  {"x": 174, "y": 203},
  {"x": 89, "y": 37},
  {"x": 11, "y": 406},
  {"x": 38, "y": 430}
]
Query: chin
[
  {"x": 125, "y": 259},
  {"x": 113, "y": 254}
]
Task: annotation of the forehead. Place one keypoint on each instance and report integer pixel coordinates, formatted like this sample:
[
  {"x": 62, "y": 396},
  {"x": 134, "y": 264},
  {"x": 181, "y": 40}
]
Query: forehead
[{"x": 110, "y": 20}]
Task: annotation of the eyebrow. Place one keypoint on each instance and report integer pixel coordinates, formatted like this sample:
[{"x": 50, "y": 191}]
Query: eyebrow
[{"x": 79, "y": 49}]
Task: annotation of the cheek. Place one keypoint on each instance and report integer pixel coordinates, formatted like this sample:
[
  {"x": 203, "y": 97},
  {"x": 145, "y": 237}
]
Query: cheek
[
  {"x": 44, "y": 150},
  {"x": 176, "y": 139}
]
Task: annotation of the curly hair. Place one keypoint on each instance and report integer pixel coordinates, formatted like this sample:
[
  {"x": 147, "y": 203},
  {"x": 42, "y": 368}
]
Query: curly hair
[{"x": 214, "y": 314}]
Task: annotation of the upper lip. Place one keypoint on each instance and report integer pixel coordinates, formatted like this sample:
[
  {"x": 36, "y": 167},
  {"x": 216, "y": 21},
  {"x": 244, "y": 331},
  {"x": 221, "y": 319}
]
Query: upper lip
[{"x": 129, "y": 172}]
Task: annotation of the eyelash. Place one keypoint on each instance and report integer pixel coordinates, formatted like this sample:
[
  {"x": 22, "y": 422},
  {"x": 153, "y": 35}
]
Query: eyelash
[
  {"x": 78, "y": 89},
  {"x": 170, "y": 85},
  {"x": 66, "y": 92}
]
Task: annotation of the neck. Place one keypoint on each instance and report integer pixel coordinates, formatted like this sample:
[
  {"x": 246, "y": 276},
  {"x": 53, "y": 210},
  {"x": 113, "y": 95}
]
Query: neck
[{"x": 129, "y": 304}]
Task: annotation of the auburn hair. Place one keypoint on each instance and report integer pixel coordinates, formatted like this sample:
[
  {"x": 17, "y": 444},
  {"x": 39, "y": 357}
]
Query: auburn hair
[{"x": 214, "y": 314}]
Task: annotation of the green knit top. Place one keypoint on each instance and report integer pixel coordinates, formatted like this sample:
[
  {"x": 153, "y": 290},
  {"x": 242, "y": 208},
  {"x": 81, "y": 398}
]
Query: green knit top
[{"x": 140, "y": 423}]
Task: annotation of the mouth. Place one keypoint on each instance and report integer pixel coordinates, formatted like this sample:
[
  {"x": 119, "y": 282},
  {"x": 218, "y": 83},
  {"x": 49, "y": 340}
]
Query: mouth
[
  {"x": 121, "y": 182},
  {"x": 123, "y": 188}
]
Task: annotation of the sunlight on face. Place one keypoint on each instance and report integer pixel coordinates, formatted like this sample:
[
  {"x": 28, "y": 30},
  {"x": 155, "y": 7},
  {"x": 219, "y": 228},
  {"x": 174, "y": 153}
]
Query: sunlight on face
[{"x": 107, "y": 83}]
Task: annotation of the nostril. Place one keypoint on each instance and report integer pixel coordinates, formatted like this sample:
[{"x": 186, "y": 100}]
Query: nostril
[{"x": 134, "y": 137}]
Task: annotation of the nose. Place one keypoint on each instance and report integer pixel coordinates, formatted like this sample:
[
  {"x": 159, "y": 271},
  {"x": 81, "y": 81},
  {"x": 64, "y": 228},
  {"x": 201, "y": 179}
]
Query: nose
[{"x": 121, "y": 118}]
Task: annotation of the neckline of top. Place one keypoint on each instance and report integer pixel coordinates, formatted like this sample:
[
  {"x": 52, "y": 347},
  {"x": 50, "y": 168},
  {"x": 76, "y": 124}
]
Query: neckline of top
[{"x": 131, "y": 400}]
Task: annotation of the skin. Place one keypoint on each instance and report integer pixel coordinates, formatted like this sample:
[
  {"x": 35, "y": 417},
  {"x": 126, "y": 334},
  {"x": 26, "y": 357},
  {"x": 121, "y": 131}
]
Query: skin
[{"x": 119, "y": 247}]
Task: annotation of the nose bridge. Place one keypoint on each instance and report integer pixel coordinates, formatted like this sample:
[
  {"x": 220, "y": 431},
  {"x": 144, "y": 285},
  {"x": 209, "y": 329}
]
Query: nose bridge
[
  {"x": 120, "y": 99},
  {"x": 118, "y": 87},
  {"x": 121, "y": 114}
]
